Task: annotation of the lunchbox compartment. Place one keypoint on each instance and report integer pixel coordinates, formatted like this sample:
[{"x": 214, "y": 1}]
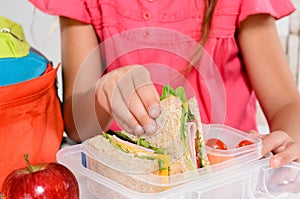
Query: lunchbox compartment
[
  {"x": 231, "y": 137},
  {"x": 149, "y": 182},
  {"x": 283, "y": 182},
  {"x": 247, "y": 181}
]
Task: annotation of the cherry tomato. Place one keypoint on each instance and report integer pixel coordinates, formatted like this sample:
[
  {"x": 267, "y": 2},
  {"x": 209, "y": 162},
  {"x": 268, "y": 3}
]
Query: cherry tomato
[
  {"x": 216, "y": 144},
  {"x": 244, "y": 143}
]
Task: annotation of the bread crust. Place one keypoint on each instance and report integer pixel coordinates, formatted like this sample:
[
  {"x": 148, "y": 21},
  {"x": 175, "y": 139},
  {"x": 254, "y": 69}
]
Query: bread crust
[
  {"x": 101, "y": 149},
  {"x": 120, "y": 178}
]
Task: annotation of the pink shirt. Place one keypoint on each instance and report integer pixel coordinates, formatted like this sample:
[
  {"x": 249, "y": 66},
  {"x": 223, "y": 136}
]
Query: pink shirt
[{"x": 110, "y": 17}]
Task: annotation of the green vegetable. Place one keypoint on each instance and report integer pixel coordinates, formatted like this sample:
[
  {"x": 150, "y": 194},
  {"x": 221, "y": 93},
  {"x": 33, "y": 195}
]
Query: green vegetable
[
  {"x": 186, "y": 115},
  {"x": 163, "y": 160},
  {"x": 114, "y": 143},
  {"x": 124, "y": 137},
  {"x": 140, "y": 142},
  {"x": 168, "y": 90},
  {"x": 146, "y": 144}
]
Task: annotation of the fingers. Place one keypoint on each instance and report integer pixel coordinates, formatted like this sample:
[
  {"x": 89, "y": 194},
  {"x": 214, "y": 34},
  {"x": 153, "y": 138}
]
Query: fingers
[
  {"x": 288, "y": 153},
  {"x": 273, "y": 141},
  {"x": 285, "y": 149},
  {"x": 146, "y": 91},
  {"x": 141, "y": 98},
  {"x": 137, "y": 115},
  {"x": 253, "y": 133},
  {"x": 122, "y": 115},
  {"x": 149, "y": 96},
  {"x": 101, "y": 98},
  {"x": 137, "y": 108},
  {"x": 134, "y": 102}
]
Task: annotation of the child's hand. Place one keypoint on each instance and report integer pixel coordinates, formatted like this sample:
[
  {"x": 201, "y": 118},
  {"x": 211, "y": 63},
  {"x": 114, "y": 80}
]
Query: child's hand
[
  {"x": 285, "y": 149},
  {"x": 130, "y": 97}
]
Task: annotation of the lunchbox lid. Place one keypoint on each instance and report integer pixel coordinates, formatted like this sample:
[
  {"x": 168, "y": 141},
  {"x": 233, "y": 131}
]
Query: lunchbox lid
[
  {"x": 15, "y": 70},
  {"x": 18, "y": 61}
]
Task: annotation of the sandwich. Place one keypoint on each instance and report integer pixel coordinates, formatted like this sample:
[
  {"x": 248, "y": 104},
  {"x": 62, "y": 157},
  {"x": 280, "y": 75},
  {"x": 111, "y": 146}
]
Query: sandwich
[{"x": 178, "y": 145}]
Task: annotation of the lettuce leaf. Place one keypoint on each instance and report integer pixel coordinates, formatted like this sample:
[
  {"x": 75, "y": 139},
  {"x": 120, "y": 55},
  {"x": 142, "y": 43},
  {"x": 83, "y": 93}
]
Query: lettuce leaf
[
  {"x": 116, "y": 145},
  {"x": 146, "y": 144},
  {"x": 169, "y": 90}
]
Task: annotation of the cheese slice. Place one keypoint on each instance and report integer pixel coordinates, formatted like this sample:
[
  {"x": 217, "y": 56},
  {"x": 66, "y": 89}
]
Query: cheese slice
[{"x": 144, "y": 152}]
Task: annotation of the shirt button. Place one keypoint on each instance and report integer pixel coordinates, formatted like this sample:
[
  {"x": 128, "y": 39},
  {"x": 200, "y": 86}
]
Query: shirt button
[
  {"x": 147, "y": 15},
  {"x": 146, "y": 35}
]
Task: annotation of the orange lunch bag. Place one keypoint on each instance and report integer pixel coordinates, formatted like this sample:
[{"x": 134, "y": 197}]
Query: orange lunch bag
[{"x": 30, "y": 113}]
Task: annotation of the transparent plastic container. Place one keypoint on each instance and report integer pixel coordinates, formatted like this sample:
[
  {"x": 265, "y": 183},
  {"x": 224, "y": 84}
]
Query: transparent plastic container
[
  {"x": 243, "y": 174},
  {"x": 231, "y": 137},
  {"x": 249, "y": 181},
  {"x": 151, "y": 183}
]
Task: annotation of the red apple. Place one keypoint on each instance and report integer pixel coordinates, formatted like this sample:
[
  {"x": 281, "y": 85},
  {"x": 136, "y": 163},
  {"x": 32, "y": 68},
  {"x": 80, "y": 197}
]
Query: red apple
[{"x": 44, "y": 181}]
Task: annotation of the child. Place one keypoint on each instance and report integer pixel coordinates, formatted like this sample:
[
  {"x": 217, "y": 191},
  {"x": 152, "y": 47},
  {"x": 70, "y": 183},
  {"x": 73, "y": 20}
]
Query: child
[{"x": 239, "y": 35}]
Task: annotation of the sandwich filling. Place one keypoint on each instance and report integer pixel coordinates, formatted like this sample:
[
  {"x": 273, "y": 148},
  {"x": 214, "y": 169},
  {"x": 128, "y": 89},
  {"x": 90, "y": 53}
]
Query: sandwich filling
[
  {"x": 190, "y": 127},
  {"x": 140, "y": 148}
]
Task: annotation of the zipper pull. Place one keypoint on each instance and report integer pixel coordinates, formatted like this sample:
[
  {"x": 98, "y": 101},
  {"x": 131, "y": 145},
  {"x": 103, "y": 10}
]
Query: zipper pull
[{"x": 7, "y": 30}]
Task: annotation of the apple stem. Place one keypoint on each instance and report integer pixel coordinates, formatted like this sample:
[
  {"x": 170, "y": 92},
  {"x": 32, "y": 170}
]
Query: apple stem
[{"x": 28, "y": 163}]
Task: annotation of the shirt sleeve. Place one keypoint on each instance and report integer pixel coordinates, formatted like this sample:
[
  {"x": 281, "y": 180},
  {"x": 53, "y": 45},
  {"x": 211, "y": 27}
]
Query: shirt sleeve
[
  {"x": 276, "y": 8},
  {"x": 75, "y": 9}
]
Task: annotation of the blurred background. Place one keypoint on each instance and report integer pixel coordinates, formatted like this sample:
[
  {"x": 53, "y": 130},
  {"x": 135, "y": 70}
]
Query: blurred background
[{"x": 42, "y": 32}]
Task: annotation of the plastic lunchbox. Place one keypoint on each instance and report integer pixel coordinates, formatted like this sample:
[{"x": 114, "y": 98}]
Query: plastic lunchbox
[
  {"x": 241, "y": 173},
  {"x": 146, "y": 182}
]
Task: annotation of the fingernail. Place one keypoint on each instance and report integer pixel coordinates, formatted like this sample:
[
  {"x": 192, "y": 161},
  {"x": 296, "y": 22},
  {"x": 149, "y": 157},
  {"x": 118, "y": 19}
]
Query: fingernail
[
  {"x": 154, "y": 111},
  {"x": 139, "y": 130},
  {"x": 151, "y": 128},
  {"x": 276, "y": 162}
]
